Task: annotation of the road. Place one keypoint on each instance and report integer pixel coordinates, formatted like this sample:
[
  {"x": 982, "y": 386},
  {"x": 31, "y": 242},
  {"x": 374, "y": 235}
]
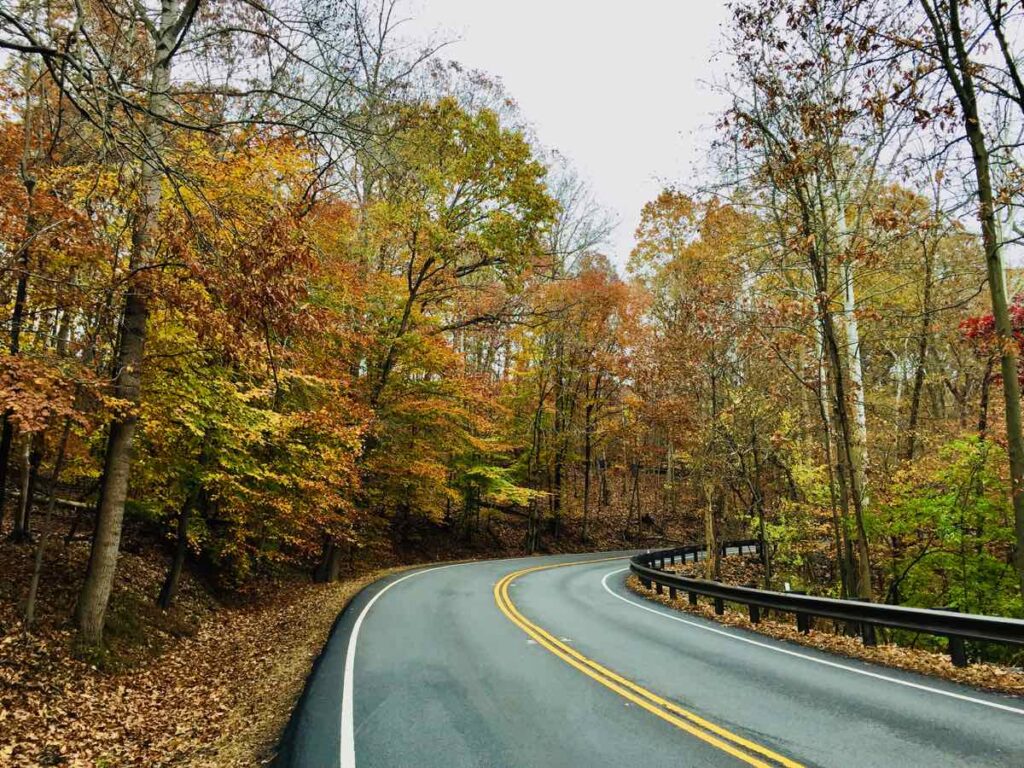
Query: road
[{"x": 531, "y": 662}]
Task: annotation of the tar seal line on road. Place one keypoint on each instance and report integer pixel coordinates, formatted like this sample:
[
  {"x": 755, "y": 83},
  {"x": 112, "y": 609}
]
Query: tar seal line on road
[
  {"x": 348, "y": 741},
  {"x": 743, "y": 749}
]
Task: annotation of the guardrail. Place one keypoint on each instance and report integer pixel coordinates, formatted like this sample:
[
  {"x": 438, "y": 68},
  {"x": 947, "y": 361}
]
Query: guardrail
[{"x": 957, "y": 627}]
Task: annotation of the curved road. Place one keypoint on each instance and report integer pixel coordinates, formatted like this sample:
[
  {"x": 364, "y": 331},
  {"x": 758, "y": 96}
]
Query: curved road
[{"x": 531, "y": 662}]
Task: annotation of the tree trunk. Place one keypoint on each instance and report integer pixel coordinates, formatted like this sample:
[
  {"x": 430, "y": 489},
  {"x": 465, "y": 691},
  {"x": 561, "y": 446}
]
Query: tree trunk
[
  {"x": 169, "y": 590},
  {"x": 17, "y": 321},
  {"x": 634, "y": 502},
  {"x": 329, "y": 569},
  {"x": 758, "y": 502},
  {"x": 99, "y": 578},
  {"x": 717, "y": 520},
  {"x": 44, "y": 534},
  {"x": 859, "y": 437},
  {"x": 531, "y": 528},
  {"x": 30, "y": 476},
  {"x": 712, "y": 562},
  {"x": 845, "y": 438},
  {"x": 561, "y": 426},
  {"x": 986, "y": 388},
  {"x": 20, "y": 530},
  {"x": 844, "y": 552},
  {"x": 6, "y": 437},
  {"x": 671, "y": 479},
  {"x": 195, "y": 495},
  {"x": 24, "y": 262},
  {"x": 604, "y": 488},
  {"x": 922, "y": 356},
  {"x": 587, "y": 461},
  {"x": 847, "y": 451}
]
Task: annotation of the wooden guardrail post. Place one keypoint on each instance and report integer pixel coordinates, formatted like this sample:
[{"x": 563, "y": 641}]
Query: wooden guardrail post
[
  {"x": 957, "y": 651},
  {"x": 867, "y": 634},
  {"x": 803, "y": 620},
  {"x": 693, "y": 598},
  {"x": 867, "y": 629},
  {"x": 956, "y": 645},
  {"x": 672, "y": 593},
  {"x": 753, "y": 610}
]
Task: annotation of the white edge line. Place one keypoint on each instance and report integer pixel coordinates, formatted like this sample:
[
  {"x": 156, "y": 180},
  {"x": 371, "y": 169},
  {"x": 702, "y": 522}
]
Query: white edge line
[
  {"x": 348, "y": 742},
  {"x": 824, "y": 662}
]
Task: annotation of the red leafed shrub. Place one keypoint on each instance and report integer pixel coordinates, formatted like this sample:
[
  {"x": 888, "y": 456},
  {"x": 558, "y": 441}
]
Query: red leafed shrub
[{"x": 980, "y": 332}]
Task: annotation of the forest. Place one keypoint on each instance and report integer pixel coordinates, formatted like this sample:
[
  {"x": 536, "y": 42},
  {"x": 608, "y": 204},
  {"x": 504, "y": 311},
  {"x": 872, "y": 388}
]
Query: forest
[{"x": 284, "y": 293}]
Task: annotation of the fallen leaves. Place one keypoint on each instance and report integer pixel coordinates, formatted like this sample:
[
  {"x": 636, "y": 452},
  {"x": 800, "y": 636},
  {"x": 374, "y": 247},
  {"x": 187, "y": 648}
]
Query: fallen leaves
[{"x": 218, "y": 696}]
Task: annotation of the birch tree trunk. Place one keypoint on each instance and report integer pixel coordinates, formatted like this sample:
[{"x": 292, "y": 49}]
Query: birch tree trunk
[{"x": 859, "y": 441}]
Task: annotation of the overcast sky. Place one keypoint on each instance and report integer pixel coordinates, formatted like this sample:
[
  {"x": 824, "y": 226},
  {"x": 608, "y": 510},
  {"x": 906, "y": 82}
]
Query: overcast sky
[{"x": 617, "y": 87}]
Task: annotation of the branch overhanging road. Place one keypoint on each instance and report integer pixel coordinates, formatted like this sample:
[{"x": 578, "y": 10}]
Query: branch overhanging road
[{"x": 551, "y": 661}]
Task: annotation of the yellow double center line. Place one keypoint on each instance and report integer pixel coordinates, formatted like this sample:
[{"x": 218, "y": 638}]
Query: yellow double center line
[{"x": 715, "y": 735}]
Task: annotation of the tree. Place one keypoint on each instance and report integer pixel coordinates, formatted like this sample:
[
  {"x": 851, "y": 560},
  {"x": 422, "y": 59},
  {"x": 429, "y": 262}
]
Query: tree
[{"x": 951, "y": 45}]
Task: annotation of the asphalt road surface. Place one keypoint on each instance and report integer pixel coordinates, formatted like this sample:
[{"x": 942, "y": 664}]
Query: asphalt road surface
[{"x": 530, "y": 662}]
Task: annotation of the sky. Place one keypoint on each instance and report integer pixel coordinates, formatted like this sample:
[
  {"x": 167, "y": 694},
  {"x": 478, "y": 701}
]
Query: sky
[{"x": 619, "y": 88}]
